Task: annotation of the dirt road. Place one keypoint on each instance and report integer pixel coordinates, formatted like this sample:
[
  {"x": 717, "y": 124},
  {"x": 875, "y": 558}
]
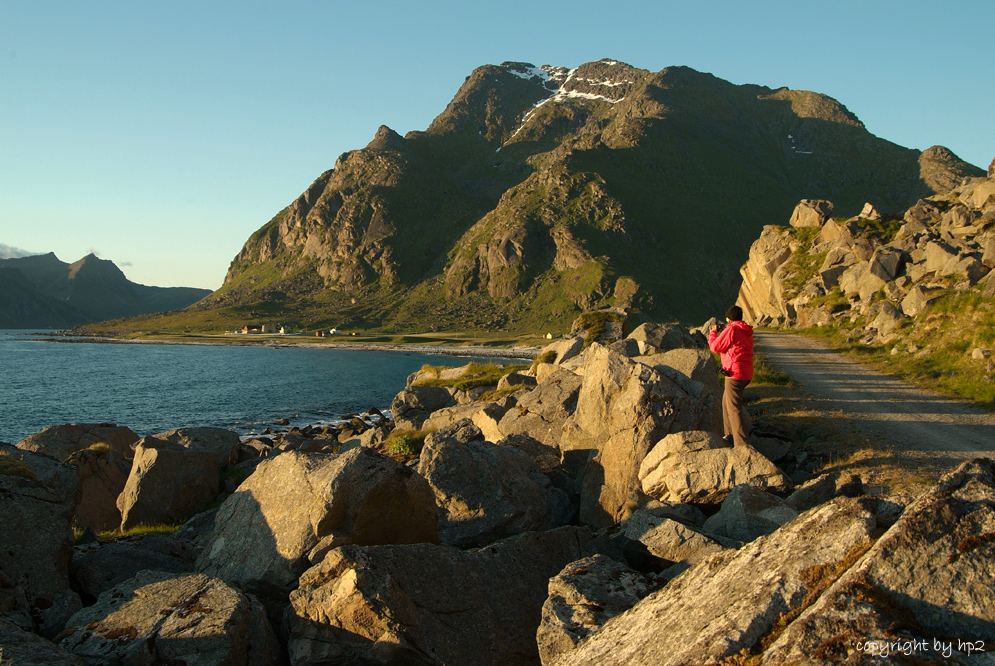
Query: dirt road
[{"x": 881, "y": 407}]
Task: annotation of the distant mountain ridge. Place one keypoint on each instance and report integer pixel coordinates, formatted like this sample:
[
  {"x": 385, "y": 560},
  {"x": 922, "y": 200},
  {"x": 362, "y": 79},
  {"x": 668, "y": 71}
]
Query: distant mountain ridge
[
  {"x": 41, "y": 291},
  {"x": 541, "y": 191}
]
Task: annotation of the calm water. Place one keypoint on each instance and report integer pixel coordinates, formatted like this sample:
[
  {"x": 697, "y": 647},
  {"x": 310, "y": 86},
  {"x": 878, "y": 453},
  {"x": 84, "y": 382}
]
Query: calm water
[{"x": 152, "y": 388}]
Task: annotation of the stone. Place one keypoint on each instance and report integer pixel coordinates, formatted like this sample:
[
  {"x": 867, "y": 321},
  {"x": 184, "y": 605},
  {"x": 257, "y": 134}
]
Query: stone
[
  {"x": 987, "y": 243},
  {"x": 869, "y": 212},
  {"x": 823, "y": 489},
  {"x": 748, "y": 513},
  {"x": 652, "y": 338},
  {"x": 22, "y": 648},
  {"x": 515, "y": 379},
  {"x": 726, "y": 603},
  {"x": 219, "y": 442},
  {"x": 980, "y": 354},
  {"x": 546, "y": 458},
  {"x": 412, "y": 406},
  {"x": 667, "y": 539},
  {"x": 266, "y": 531},
  {"x": 886, "y": 263},
  {"x": 929, "y": 574},
  {"x": 61, "y": 441},
  {"x": 434, "y": 604},
  {"x": 487, "y": 492},
  {"x": 103, "y": 474},
  {"x": 811, "y": 213},
  {"x": 442, "y": 418},
  {"x": 99, "y": 567},
  {"x": 37, "y": 500},
  {"x": 887, "y": 317},
  {"x": 160, "y": 618},
  {"x": 697, "y": 373},
  {"x": 623, "y": 409},
  {"x": 626, "y": 347},
  {"x": 966, "y": 266},
  {"x": 699, "y": 466},
  {"x": 773, "y": 449},
  {"x": 542, "y": 413},
  {"x": 858, "y": 279},
  {"x": 761, "y": 292},
  {"x": 168, "y": 484},
  {"x": 938, "y": 255},
  {"x": 917, "y": 300},
  {"x": 564, "y": 348},
  {"x": 582, "y": 597}
]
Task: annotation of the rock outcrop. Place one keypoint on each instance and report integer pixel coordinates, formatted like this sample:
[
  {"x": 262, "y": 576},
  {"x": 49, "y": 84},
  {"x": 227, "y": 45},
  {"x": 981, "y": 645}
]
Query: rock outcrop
[
  {"x": 158, "y": 618},
  {"x": 37, "y": 500},
  {"x": 61, "y": 441},
  {"x": 433, "y": 604},
  {"x": 296, "y": 507}
]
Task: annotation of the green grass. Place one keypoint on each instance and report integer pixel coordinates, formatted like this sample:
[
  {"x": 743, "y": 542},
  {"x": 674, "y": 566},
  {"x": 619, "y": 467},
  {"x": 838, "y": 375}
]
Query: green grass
[
  {"x": 140, "y": 530},
  {"x": 477, "y": 374},
  {"x": 406, "y": 443},
  {"x": 765, "y": 375}
]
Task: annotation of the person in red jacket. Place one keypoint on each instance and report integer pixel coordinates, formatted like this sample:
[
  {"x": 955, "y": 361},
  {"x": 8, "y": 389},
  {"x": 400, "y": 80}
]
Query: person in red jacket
[{"x": 734, "y": 341}]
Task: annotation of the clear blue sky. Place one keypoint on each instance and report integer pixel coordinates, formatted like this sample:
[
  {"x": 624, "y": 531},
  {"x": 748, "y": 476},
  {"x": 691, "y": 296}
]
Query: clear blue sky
[{"x": 160, "y": 134}]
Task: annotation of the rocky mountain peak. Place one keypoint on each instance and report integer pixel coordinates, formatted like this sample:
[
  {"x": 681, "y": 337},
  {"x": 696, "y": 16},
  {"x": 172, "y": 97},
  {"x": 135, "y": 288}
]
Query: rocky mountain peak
[{"x": 386, "y": 139}]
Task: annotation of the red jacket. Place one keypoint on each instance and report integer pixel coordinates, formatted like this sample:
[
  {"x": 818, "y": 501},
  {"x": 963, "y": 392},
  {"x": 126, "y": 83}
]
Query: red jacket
[{"x": 735, "y": 344}]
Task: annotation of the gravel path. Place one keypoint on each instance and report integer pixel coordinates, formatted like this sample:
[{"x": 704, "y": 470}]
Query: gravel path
[{"x": 893, "y": 412}]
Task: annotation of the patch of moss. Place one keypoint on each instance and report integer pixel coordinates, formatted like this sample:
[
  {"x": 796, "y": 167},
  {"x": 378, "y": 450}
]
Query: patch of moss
[
  {"x": 406, "y": 443},
  {"x": 10, "y": 466},
  {"x": 476, "y": 375}
]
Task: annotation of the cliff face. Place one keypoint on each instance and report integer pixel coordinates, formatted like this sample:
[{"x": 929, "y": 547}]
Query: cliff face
[{"x": 539, "y": 192}]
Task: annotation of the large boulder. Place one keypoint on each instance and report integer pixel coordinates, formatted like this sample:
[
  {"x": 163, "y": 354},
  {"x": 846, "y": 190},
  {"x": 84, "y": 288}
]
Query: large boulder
[
  {"x": 653, "y": 338},
  {"x": 725, "y": 604},
  {"x": 168, "y": 484},
  {"x": 582, "y": 597},
  {"x": 697, "y": 373},
  {"x": 698, "y": 466},
  {"x": 61, "y": 441},
  {"x": 623, "y": 409},
  {"x": 223, "y": 444},
  {"x": 433, "y": 604},
  {"x": 748, "y": 513},
  {"x": 23, "y": 648},
  {"x": 98, "y": 567},
  {"x": 811, "y": 213},
  {"x": 485, "y": 491},
  {"x": 412, "y": 406},
  {"x": 37, "y": 498},
  {"x": 103, "y": 474},
  {"x": 160, "y": 618},
  {"x": 542, "y": 413},
  {"x": 297, "y": 504},
  {"x": 930, "y": 574},
  {"x": 668, "y": 540}
]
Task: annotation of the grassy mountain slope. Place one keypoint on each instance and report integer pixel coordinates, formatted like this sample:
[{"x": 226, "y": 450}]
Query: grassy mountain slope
[{"x": 541, "y": 192}]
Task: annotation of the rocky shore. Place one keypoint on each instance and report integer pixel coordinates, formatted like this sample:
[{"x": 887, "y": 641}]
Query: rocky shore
[{"x": 579, "y": 510}]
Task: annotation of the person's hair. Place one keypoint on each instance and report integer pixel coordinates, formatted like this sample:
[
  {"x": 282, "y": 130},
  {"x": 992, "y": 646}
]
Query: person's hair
[{"x": 735, "y": 313}]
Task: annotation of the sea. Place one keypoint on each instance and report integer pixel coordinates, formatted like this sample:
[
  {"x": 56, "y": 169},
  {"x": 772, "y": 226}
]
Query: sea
[{"x": 151, "y": 388}]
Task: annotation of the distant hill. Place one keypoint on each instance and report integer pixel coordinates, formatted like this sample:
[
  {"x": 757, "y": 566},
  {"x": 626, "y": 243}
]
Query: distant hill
[
  {"x": 540, "y": 192},
  {"x": 40, "y": 291}
]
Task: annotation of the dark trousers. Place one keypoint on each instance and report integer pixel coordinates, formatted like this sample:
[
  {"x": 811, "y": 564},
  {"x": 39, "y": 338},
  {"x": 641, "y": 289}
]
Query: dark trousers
[{"x": 735, "y": 420}]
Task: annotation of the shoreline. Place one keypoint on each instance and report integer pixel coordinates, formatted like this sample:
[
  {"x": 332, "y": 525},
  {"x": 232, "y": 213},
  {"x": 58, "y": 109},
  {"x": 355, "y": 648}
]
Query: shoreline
[{"x": 525, "y": 353}]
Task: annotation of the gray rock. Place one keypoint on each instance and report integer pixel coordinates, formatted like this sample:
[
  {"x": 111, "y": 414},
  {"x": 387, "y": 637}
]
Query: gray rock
[
  {"x": 434, "y": 604},
  {"x": 542, "y": 413},
  {"x": 103, "y": 475},
  {"x": 487, "y": 492},
  {"x": 748, "y": 513},
  {"x": 564, "y": 348},
  {"x": 653, "y": 338},
  {"x": 917, "y": 300},
  {"x": 869, "y": 212},
  {"x": 697, "y": 373},
  {"x": 168, "y": 484},
  {"x": 158, "y": 618},
  {"x": 412, "y": 406},
  {"x": 670, "y": 540},
  {"x": 698, "y": 466},
  {"x": 61, "y": 441},
  {"x": 773, "y": 449},
  {"x": 626, "y": 347},
  {"x": 97, "y": 568},
  {"x": 582, "y": 597},
  {"x": 37, "y": 499},
  {"x": 886, "y": 263},
  {"x": 824, "y": 488},
  {"x": 515, "y": 379},
  {"x": 296, "y": 503},
  {"x": 726, "y": 603},
  {"x": 544, "y": 457},
  {"x": 811, "y": 213},
  {"x": 22, "y": 648},
  {"x": 219, "y": 442},
  {"x": 930, "y": 574}
]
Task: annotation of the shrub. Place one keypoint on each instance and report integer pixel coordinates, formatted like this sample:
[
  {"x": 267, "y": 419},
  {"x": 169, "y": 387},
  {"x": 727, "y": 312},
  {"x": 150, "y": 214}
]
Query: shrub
[{"x": 404, "y": 443}]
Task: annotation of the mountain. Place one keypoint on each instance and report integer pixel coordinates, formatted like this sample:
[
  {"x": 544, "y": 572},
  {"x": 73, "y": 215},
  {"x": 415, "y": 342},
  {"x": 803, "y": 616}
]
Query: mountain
[
  {"x": 40, "y": 291},
  {"x": 540, "y": 192}
]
